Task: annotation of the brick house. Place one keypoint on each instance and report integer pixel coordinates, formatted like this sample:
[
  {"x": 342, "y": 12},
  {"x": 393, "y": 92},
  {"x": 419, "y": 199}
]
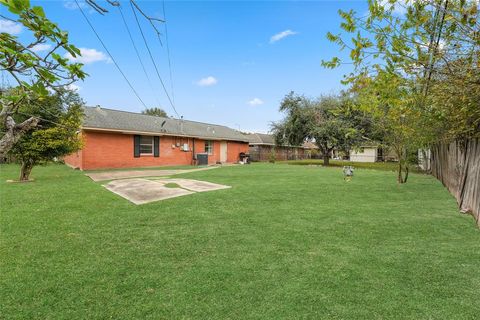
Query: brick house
[{"x": 120, "y": 139}]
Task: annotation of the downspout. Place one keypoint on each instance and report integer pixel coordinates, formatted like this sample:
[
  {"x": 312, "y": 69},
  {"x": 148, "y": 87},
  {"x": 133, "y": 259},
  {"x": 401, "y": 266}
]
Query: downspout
[{"x": 193, "y": 151}]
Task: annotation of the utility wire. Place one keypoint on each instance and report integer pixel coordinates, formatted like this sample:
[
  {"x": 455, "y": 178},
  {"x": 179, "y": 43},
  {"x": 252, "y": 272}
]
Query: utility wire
[
  {"x": 111, "y": 56},
  {"x": 138, "y": 54},
  {"x": 43, "y": 119},
  {"x": 168, "y": 51},
  {"x": 153, "y": 60}
]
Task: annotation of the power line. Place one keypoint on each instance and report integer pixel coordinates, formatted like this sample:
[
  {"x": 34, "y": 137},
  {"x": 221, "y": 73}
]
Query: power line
[
  {"x": 138, "y": 54},
  {"x": 43, "y": 119},
  {"x": 150, "y": 19},
  {"x": 151, "y": 58},
  {"x": 111, "y": 56},
  {"x": 168, "y": 51}
]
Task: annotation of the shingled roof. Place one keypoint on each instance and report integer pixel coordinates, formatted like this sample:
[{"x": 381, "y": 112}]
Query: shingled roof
[
  {"x": 261, "y": 139},
  {"x": 265, "y": 140},
  {"x": 116, "y": 120}
]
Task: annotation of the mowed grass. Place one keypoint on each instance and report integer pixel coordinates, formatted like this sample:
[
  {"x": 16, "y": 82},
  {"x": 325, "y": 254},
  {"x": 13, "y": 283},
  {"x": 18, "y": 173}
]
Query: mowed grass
[
  {"x": 387, "y": 166},
  {"x": 285, "y": 242}
]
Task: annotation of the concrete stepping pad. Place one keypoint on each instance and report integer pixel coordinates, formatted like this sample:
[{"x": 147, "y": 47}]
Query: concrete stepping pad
[
  {"x": 141, "y": 191},
  {"x": 195, "y": 185}
]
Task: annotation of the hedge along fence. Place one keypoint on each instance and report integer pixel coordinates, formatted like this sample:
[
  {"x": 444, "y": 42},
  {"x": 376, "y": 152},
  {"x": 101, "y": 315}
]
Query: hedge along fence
[{"x": 457, "y": 165}]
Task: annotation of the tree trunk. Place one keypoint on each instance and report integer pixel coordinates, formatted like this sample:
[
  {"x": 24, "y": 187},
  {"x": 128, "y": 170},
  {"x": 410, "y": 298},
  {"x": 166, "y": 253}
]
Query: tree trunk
[
  {"x": 399, "y": 176},
  {"x": 14, "y": 132},
  {"x": 326, "y": 159},
  {"x": 25, "y": 170},
  {"x": 402, "y": 167}
]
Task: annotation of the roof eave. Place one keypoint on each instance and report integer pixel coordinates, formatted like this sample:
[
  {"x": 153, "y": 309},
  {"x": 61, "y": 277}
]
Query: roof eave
[{"x": 160, "y": 134}]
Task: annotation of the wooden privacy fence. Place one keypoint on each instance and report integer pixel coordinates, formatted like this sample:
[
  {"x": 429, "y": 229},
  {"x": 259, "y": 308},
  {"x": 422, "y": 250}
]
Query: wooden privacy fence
[{"x": 457, "y": 165}]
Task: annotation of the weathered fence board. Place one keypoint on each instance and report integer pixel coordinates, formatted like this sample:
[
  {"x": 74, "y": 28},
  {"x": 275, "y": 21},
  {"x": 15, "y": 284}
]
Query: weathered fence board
[{"x": 457, "y": 166}]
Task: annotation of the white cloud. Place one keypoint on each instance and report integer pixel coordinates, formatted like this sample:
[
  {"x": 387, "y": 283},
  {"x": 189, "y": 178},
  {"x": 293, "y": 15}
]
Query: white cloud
[
  {"x": 255, "y": 102},
  {"x": 281, "y": 35},
  {"x": 398, "y": 8},
  {"x": 10, "y": 27},
  {"x": 88, "y": 56},
  {"x": 206, "y": 82},
  {"x": 73, "y": 87},
  {"x": 41, "y": 47},
  {"x": 71, "y": 5}
]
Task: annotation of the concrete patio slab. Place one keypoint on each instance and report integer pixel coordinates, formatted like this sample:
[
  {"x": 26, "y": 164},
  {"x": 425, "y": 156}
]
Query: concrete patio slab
[
  {"x": 113, "y": 175},
  {"x": 195, "y": 185},
  {"x": 140, "y": 191}
]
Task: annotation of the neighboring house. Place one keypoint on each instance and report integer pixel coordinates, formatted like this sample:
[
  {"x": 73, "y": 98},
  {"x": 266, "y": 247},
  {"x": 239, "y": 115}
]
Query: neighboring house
[
  {"x": 120, "y": 139},
  {"x": 311, "y": 150},
  {"x": 370, "y": 153},
  {"x": 262, "y": 146}
]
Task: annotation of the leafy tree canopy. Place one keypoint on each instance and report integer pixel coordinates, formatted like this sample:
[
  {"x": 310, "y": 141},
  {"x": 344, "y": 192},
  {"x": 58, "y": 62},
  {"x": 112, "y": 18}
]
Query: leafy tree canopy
[
  {"x": 433, "y": 45},
  {"x": 57, "y": 133},
  {"x": 416, "y": 70},
  {"x": 155, "y": 111},
  {"x": 329, "y": 121},
  {"x": 33, "y": 72}
]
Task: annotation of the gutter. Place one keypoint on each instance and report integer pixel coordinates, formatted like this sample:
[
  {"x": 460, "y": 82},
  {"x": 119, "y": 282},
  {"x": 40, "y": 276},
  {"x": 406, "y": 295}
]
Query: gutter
[{"x": 161, "y": 134}]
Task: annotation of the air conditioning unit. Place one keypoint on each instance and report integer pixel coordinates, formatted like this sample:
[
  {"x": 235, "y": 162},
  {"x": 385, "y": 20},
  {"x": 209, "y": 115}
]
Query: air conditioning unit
[{"x": 185, "y": 147}]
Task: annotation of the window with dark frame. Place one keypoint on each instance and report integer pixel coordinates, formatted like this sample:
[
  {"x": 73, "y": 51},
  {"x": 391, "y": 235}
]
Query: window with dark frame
[
  {"x": 209, "y": 147},
  {"x": 146, "y": 145}
]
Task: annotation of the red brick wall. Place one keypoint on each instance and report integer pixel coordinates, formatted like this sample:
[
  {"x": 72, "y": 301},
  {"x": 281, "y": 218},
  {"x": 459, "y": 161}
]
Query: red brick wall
[
  {"x": 234, "y": 149},
  {"x": 200, "y": 148},
  {"x": 74, "y": 160},
  {"x": 115, "y": 150}
]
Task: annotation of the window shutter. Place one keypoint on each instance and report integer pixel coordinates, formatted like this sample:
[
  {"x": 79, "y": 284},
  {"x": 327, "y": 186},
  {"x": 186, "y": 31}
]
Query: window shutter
[
  {"x": 136, "y": 146},
  {"x": 156, "y": 146}
]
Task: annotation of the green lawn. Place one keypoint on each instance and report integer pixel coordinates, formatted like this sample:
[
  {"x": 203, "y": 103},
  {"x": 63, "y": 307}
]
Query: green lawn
[
  {"x": 387, "y": 166},
  {"x": 286, "y": 242}
]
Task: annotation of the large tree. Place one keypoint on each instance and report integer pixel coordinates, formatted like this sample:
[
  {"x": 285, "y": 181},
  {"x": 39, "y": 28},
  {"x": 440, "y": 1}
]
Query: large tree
[
  {"x": 433, "y": 45},
  {"x": 395, "y": 116},
  {"x": 415, "y": 70},
  {"x": 56, "y": 135},
  {"x": 328, "y": 121},
  {"x": 33, "y": 72}
]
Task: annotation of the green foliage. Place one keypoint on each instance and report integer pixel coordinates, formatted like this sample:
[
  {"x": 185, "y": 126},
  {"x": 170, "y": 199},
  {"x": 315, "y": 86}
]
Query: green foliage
[
  {"x": 57, "y": 134},
  {"x": 430, "y": 50},
  {"x": 46, "y": 144},
  {"x": 159, "y": 112},
  {"x": 35, "y": 73},
  {"x": 330, "y": 121},
  {"x": 20, "y": 61},
  {"x": 416, "y": 72},
  {"x": 273, "y": 155}
]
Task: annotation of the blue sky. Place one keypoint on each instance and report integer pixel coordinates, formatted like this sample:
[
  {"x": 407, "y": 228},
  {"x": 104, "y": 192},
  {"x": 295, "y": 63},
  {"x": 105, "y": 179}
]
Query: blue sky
[{"x": 232, "y": 62}]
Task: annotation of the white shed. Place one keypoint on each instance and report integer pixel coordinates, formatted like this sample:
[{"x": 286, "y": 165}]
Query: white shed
[{"x": 364, "y": 154}]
